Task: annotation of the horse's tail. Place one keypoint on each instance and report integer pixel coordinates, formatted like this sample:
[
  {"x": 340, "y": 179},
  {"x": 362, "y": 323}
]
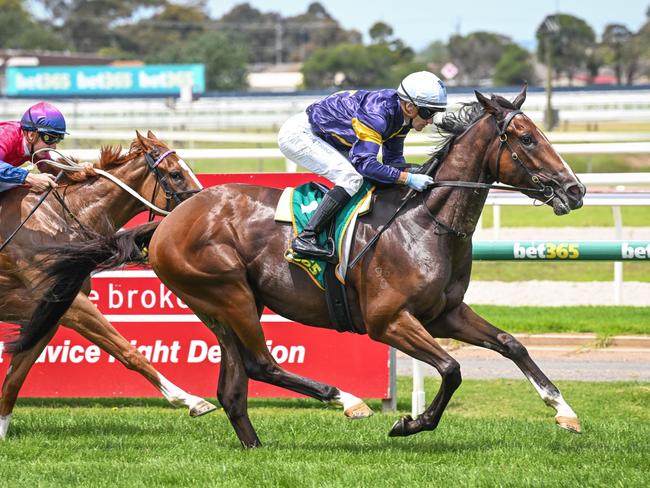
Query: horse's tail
[{"x": 66, "y": 267}]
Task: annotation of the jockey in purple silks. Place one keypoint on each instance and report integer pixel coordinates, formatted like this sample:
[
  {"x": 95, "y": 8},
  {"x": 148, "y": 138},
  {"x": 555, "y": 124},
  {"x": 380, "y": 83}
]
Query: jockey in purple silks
[
  {"x": 42, "y": 126},
  {"x": 339, "y": 138}
]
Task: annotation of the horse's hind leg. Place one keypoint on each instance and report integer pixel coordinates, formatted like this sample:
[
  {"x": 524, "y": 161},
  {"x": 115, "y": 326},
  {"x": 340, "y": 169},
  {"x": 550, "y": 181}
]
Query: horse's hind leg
[
  {"x": 84, "y": 318},
  {"x": 233, "y": 384},
  {"x": 463, "y": 324},
  {"x": 20, "y": 365},
  {"x": 234, "y": 305}
]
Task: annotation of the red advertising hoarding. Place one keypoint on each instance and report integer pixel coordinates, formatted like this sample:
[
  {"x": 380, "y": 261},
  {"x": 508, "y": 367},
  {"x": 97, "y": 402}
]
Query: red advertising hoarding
[{"x": 185, "y": 351}]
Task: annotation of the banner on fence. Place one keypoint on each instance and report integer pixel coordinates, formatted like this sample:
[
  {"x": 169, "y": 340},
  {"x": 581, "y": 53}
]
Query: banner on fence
[
  {"x": 185, "y": 351},
  {"x": 157, "y": 79}
]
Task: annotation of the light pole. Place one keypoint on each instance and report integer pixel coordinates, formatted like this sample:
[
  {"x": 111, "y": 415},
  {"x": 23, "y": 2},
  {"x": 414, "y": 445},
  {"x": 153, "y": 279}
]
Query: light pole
[{"x": 551, "y": 27}]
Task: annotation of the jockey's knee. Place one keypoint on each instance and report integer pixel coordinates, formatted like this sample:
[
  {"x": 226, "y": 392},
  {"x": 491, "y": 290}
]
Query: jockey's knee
[{"x": 353, "y": 184}]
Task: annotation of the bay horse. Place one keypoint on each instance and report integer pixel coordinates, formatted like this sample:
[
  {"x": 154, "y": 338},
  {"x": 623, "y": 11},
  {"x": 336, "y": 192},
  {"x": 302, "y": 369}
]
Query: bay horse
[
  {"x": 222, "y": 253},
  {"x": 96, "y": 205}
]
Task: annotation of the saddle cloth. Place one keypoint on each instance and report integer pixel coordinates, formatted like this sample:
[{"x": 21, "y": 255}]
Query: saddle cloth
[{"x": 297, "y": 205}]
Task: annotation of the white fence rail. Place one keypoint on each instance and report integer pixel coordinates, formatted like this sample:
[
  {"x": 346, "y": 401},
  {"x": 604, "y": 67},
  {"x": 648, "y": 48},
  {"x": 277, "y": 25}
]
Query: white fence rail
[
  {"x": 274, "y": 153},
  {"x": 271, "y": 137},
  {"x": 267, "y": 112}
]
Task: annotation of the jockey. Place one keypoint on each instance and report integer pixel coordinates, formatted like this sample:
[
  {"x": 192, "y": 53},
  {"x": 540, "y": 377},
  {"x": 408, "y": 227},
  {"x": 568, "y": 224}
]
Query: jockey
[
  {"x": 42, "y": 126},
  {"x": 339, "y": 138}
]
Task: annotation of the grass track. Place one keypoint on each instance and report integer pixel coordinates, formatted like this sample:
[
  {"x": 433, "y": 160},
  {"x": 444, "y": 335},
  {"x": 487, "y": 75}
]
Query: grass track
[{"x": 495, "y": 433}]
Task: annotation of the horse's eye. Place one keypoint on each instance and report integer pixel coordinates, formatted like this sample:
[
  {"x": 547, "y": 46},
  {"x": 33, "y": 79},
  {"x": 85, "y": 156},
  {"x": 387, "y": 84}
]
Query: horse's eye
[
  {"x": 527, "y": 139},
  {"x": 176, "y": 175}
]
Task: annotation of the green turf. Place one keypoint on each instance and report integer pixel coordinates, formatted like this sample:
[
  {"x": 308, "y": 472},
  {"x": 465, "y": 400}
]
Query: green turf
[
  {"x": 557, "y": 271},
  {"x": 585, "y": 217},
  {"x": 605, "y": 321},
  {"x": 494, "y": 433}
]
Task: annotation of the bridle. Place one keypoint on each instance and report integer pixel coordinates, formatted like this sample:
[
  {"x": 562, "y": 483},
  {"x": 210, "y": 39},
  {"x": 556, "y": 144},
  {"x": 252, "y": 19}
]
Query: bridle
[
  {"x": 161, "y": 179},
  {"x": 545, "y": 190}
]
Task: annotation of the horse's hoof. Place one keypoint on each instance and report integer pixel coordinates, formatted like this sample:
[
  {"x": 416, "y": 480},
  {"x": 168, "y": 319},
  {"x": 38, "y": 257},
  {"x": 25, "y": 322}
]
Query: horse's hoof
[
  {"x": 572, "y": 424},
  {"x": 201, "y": 408},
  {"x": 358, "y": 411},
  {"x": 400, "y": 427}
]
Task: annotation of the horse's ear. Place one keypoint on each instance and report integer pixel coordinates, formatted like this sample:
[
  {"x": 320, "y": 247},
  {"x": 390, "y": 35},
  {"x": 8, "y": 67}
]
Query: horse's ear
[
  {"x": 521, "y": 98},
  {"x": 490, "y": 106},
  {"x": 141, "y": 139},
  {"x": 151, "y": 135}
]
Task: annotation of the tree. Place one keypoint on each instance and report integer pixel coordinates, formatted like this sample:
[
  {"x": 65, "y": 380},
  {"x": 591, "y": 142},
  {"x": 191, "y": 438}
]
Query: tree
[
  {"x": 20, "y": 31},
  {"x": 225, "y": 60},
  {"x": 172, "y": 25},
  {"x": 90, "y": 25},
  {"x": 615, "y": 37},
  {"x": 515, "y": 67},
  {"x": 357, "y": 66},
  {"x": 380, "y": 32},
  {"x": 570, "y": 44},
  {"x": 477, "y": 54}
]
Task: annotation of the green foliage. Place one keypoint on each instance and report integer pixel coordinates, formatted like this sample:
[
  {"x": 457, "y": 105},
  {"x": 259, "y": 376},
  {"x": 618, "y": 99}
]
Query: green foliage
[
  {"x": 225, "y": 61},
  {"x": 354, "y": 65},
  {"x": 515, "y": 67},
  {"x": 569, "y": 39},
  {"x": 477, "y": 54},
  {"x": 21, "y": 31}
]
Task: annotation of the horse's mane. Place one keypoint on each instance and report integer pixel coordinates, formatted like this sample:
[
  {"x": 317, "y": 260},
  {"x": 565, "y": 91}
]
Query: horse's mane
[
  {"x": 111, "y": 156},
  {"x": 453, "y": 124}
]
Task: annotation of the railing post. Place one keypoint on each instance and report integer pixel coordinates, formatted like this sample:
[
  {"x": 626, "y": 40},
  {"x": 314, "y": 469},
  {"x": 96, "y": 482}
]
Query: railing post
[{"x": 417, "y": 397}]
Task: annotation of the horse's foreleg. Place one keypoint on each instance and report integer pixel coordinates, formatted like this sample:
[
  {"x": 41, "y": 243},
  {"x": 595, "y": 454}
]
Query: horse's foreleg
[
  {"x": 232, "y": 390},
  {"x": 463, "y": 324},
  {"x": 408, "y": 335},
  {"x": 84, "y": 318},
  {"x": 20, "y": 365}
]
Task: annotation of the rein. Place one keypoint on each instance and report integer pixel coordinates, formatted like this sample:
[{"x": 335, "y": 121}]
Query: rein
[
  {"x": 71, "y": 165},
  {"x": 546, "y": 191}
]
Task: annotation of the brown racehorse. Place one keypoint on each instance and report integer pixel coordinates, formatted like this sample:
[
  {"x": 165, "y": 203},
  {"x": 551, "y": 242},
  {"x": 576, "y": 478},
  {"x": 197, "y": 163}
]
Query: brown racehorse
[
  {"x": 96, "y": 205},
  {"x": 222, "y": 253}
]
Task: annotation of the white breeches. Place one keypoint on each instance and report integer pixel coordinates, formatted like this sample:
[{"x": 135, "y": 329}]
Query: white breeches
[{"x": 299, "y": 144}]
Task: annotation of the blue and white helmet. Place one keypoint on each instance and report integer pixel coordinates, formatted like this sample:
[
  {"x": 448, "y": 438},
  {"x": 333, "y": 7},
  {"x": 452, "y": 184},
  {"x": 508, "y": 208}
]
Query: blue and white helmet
[{"x": 424, "y": 89}]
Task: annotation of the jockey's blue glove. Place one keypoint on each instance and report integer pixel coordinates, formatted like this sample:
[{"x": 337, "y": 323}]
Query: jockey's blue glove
[{"x": 418, "y": 182}]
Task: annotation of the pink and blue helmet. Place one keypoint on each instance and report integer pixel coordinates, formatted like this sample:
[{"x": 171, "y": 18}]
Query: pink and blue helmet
[{"x": 43, "y": 117}]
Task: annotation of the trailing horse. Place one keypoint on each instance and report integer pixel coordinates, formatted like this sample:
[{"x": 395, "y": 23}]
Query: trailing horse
[
  {"x": 222, "y": 253},
  {"x": 68, "y": 215}
]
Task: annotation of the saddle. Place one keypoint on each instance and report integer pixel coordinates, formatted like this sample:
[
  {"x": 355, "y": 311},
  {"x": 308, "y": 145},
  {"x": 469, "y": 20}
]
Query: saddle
[{"x": 296, "y": 205}]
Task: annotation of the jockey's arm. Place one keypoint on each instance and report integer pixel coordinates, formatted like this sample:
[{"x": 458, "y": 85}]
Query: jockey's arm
[
  {"x": 11, "y": 174},
  {"x": 363, "y": 156}
]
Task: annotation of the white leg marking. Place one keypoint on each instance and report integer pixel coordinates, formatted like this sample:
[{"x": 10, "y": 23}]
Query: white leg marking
[
  {"x": 4, "y": 425},
  {"x": 346, "y": 400},
  {"x": 561, "y": 407},
  {"x": 175, "y": 395}
]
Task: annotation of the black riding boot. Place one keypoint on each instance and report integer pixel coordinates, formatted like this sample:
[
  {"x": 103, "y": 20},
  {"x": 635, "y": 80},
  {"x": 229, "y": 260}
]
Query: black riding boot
[{"x": 306, "y": 243}]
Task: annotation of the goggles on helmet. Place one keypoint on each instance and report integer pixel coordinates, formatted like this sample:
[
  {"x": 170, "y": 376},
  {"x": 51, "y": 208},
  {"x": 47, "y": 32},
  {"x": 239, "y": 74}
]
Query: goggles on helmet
[
  {"x": 424, "y": 112},
  {"x": 50, "y": 138}
]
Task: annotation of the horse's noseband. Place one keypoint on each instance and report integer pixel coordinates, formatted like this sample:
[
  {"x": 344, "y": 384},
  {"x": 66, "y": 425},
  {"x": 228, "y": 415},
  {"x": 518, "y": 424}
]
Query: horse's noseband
[
  {"x": 546, "y": 190},
  {"x": 161, "y": 179}
]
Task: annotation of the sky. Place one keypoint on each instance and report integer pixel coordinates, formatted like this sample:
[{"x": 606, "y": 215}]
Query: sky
[{"x": 419, "y": 22}]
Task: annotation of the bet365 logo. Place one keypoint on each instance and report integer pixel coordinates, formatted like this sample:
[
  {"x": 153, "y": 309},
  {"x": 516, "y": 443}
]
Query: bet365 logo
[
  {"x": 547, "y": 250},
  {"x": 635, "y": 252}
]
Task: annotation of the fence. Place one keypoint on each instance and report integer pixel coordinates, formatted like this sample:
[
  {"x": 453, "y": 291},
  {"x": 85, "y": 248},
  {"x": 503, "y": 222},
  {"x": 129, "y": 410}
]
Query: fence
[{"x": 539, "y": 251}]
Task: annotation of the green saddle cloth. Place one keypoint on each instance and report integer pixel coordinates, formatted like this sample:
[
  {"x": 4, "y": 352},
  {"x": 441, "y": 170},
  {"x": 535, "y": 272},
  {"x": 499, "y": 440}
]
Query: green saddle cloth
[{"x": 304, "y": 201}]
